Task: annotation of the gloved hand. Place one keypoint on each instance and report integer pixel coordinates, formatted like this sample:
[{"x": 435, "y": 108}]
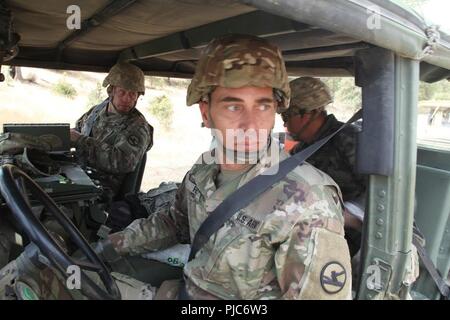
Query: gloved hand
[
  {"x": 105, "y": 250},
  {"x": 120, "y": 215}
]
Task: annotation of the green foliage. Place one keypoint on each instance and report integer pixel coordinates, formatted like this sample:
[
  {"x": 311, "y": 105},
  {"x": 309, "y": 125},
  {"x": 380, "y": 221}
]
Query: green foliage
[
  {"x": 65, "y": 89},
  {"x": 156, "y": 82},
  {"x": 160, "y": 82},
  {"x": 95, "y": 96},
  {"x": 434, "y": 91},
  {"x": 346, "y": 95},
  {"x": 162, "y": 109}
]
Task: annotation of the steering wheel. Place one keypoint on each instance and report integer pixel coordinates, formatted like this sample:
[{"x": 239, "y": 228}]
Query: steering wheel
[{"x": 40, "y": 236}]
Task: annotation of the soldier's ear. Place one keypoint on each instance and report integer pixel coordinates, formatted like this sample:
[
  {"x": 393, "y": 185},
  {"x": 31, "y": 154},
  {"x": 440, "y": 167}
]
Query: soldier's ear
[
  {"x": 110, "y": 90},
  {"x": 204, "y": 111}
]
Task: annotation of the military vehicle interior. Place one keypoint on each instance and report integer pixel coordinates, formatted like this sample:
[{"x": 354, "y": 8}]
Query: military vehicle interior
[{"x": 164, "y": 38}]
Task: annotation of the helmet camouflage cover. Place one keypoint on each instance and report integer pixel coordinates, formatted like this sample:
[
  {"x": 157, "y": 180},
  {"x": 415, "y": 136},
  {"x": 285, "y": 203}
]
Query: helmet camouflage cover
[
  {"x": 308, "y": 94},
  {"x": 127, "y": 76},
  {"x": 236, "y": 61}
]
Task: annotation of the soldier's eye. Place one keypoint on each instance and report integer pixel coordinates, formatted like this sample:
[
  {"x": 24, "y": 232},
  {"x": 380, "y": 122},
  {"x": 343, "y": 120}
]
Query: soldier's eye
[
  {"x": 233, "y": 108},
  {"x": 264, "y": 107}
]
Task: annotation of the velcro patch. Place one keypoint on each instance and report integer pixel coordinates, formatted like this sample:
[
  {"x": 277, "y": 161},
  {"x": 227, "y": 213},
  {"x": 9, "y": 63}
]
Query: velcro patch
[
  {"x": 133, "y": 140},
  {"x": 328, "y": 275},
  {"x": 247, "y": 221},
  {"x": 333, "y": 277}
]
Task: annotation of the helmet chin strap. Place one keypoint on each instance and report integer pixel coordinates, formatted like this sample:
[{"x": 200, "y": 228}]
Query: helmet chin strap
[
  {"x": 235, "y": 156},
  {"x": 240, "y": 157},
  {"x": 297, "y": 135}
]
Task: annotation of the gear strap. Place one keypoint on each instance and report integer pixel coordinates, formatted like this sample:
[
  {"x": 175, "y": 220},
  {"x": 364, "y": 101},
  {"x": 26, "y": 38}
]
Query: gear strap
[
  {"x": 244, "y": 195},
  {"x": 86, "y": 130},
  {"x": 442, "y": 286}
]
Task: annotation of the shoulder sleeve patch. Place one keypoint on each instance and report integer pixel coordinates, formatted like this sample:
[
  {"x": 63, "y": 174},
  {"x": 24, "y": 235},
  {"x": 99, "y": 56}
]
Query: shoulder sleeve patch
[
  {"x": 328, "y": 275},
  {"x": 333, "y": 277},
  {"x": 133, "y": 140}
]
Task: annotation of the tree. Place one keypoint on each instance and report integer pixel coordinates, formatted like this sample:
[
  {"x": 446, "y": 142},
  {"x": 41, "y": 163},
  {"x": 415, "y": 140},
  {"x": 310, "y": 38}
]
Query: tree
[
  {"x": 346, "y": 96},
  {"x": 162, "y": 109}
]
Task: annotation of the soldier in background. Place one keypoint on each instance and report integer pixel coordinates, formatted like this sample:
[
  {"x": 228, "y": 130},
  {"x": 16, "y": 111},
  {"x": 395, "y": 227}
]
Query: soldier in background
[
  {"x": 307, "y": 121},
  {"x": 113, "y": 136}
]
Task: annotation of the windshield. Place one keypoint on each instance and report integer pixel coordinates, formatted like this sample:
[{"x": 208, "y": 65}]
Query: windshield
[{"x": 433, "y": 125}]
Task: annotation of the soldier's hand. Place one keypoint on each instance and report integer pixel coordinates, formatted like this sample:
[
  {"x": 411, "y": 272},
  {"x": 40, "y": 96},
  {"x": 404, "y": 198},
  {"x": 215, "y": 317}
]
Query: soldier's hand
[
  {"x": 74, "y": 135},
  {"x": 102, "y": 248},
  {"x": 105, "y": 250},
  {"x": 109, "y": 255}
]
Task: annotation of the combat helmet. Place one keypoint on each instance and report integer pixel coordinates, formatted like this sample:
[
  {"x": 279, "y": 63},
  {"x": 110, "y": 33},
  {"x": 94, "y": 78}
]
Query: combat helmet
[
  {"x": 235, "y": 61},
  {"x": 308, "y": 94},
  {"x": 127, "y": 76}
]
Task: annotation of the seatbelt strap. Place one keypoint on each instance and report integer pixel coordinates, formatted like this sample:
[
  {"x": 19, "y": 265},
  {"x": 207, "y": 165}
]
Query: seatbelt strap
[
  {"x": 443, "y": 287},
  {"x": 244, "y": 195},
  {"x": 89, "y": 123}
]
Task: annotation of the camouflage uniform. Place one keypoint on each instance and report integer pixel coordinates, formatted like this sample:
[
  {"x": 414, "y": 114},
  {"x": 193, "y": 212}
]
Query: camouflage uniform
[
  {"x": 116, "y": 142},
  {"x": 288, "y": 243},
  {"x": 277, "y": 247},
  {"x": 338, "y": 157},
  {"x": 141, "y": 205},
  {"x": 116, "y": 146}
]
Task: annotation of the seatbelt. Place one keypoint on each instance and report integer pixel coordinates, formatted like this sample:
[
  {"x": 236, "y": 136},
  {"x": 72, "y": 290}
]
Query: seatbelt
[
  {"x": 89, "y": 123},
  {"x": 443, "y": 287},
  {"x": 244, "y": 195}
]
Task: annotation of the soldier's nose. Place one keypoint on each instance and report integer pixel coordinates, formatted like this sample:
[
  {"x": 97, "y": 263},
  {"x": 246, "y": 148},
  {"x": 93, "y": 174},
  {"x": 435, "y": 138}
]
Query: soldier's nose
[{"x": 247, "y": 121}]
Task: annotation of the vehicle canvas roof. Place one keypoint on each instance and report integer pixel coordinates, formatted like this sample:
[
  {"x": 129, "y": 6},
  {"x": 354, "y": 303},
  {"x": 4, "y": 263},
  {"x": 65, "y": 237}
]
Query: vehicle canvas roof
[{"x": 164, "y": 37}]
